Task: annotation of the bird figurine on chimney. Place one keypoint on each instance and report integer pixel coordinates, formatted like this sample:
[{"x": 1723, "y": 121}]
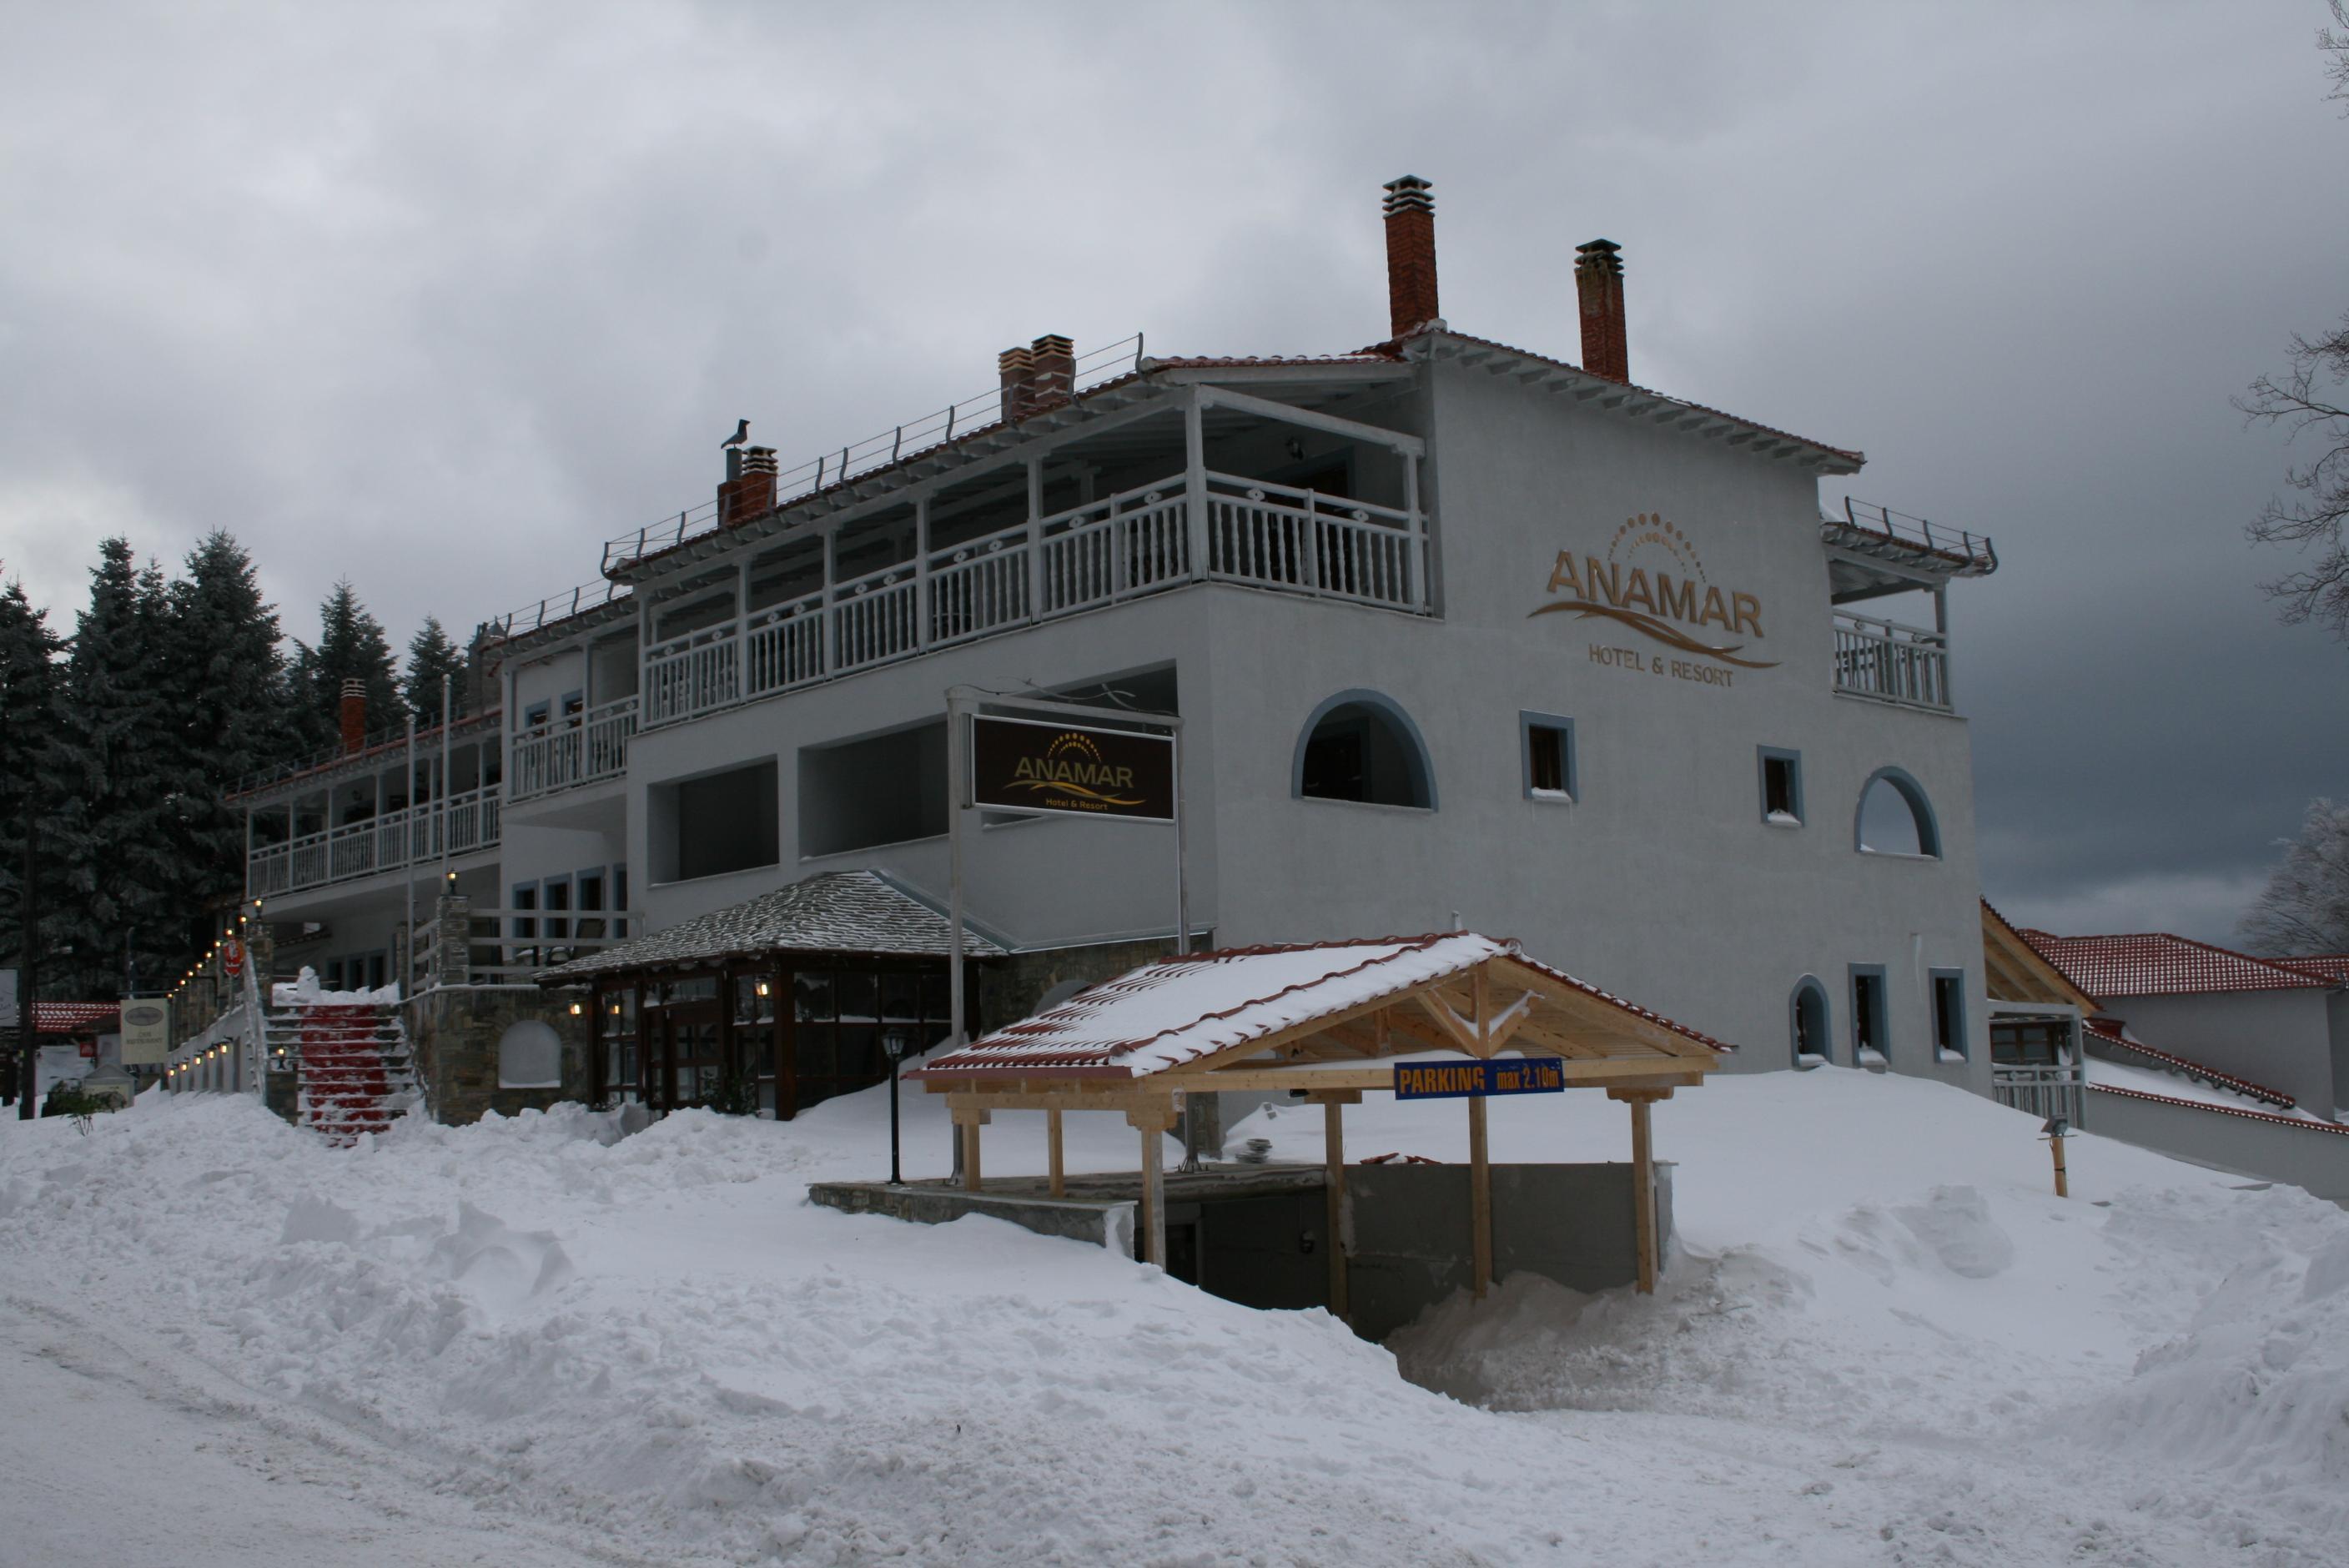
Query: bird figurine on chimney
[{"x": 741, "y": 434}]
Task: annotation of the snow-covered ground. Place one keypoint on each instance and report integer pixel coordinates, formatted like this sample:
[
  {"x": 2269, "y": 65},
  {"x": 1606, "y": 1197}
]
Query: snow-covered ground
[{"x": 1882, "y": 1340}]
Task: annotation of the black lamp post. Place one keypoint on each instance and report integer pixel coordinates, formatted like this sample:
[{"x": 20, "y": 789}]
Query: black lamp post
[{"x": 893, "y": 1042}]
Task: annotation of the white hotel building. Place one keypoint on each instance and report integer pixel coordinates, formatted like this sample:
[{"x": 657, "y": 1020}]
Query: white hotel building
[{"x": 1460, "y": 634}]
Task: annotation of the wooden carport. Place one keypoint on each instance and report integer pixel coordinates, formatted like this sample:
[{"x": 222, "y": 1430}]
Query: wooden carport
[{"x": 1327, "y": 1022}]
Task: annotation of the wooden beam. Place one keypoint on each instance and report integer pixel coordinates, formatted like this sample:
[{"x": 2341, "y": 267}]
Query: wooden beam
[
  {"x": 1334, "y": 1181},
  {"x": 1644, "y": 1197},
  {"x": 1648, "y": 1071},
  {"x": 1480, "y": 1201},
  {"x": 1053, "y": 1147},
  {"x": 1460, "y": 1035}
]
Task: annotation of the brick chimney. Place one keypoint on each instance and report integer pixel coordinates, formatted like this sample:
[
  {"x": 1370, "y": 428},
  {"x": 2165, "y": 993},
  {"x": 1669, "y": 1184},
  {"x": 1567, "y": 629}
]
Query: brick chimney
[
  {"x": 1052, "y": 370},
  {"x": 354, "y": 715},
  {"x": 1599, "y": 280},
  {"x": 750, "y": 488},
  {"x": 1016, "y": 366},
  {"x": 1411, "y": 254}
]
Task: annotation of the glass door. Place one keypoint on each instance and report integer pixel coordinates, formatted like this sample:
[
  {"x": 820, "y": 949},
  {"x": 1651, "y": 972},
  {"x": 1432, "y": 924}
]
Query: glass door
[{"x": 693, "y": 1066}]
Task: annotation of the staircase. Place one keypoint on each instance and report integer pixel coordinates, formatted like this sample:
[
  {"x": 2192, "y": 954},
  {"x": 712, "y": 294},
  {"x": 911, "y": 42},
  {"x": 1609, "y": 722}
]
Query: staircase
[{"x": 356, "y": 1073}]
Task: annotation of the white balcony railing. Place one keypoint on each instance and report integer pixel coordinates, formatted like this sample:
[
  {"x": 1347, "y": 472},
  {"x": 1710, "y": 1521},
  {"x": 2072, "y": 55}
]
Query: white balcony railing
[
  {"x": 1891, "y": 663},
  {"x": 580, "y": 749},
  {"x": 1135, "y": 542},
  {"x": 466, "y": 822}
]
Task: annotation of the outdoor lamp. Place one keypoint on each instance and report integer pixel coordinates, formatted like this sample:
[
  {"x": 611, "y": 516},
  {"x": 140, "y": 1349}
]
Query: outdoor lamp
[
  {"x": 574, "y": 1009},
  {"x": 893, "y": 1044},
  {"x": 2057, "y": 1130}
]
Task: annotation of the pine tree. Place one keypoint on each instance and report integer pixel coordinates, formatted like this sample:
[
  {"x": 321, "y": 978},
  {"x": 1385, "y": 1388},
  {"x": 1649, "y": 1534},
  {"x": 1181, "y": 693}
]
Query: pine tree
[
  {"x": 228, "y": 692},
  {"x": 30, "y": 681},
  {"x": 122, "y": 825},
  {"x": 430, "y": 656},
  {"x": 350, "y": 646}
]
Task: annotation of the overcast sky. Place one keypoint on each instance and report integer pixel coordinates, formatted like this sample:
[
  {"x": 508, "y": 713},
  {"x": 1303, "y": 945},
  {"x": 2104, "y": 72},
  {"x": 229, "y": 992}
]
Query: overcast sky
[{"x": 439, "y": 298}]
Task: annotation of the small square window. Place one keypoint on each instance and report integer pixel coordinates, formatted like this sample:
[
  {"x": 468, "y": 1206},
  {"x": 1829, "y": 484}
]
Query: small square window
[
  {"x": 1546, "y": 746},
  {"x": 1782, "y": 786}
]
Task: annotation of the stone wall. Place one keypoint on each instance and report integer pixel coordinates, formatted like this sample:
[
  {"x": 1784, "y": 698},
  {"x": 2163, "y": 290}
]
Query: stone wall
[
  {"x": 454, "y": 1031},
  {"x": 1008, "y": 988}
]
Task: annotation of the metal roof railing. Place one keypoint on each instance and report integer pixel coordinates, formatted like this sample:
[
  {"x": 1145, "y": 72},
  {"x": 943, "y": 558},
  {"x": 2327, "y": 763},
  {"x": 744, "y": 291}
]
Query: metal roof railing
[
  {"x": 1899, "y": 527},
  {"x": 558, "y": 607},
  {"x": 880, "y": 451}
]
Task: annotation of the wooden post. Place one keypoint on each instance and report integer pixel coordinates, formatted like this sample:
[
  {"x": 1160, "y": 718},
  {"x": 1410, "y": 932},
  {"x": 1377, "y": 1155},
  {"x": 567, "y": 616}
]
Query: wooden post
[
  {"x": 967, "y": 1122},
  {"x": 1150, "y": 1223},
  {"x": 1643, "y": 1196},
  {"x": 1333, "y": 1182},
  {"x": 1480, "y": 1200},
  {"x": 1053, "y": 1142},
  {"x": 2063, "y": 1184}
]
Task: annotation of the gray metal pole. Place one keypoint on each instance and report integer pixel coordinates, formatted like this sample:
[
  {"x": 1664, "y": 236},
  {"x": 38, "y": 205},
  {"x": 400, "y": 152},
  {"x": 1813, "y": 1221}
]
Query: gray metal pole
[
  {"x": 955, "y": 1003},
  {"x": 407, "y": 871}
]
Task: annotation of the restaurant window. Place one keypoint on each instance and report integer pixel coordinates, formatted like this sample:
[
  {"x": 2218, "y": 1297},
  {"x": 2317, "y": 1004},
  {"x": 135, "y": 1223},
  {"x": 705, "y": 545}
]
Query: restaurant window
[
  {"x": 1948, "y": 1015},
  {"x": 616, "y": 1030},
  {"x": 1359, "y": 745},
  {"x": 839, "y": 1017},
  {"x": 754, "y": 1035}
]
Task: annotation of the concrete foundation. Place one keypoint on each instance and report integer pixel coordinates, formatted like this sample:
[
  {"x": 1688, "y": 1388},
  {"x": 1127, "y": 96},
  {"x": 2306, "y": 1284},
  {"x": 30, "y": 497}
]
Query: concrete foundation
[{"x": 1257, "y": 1234}]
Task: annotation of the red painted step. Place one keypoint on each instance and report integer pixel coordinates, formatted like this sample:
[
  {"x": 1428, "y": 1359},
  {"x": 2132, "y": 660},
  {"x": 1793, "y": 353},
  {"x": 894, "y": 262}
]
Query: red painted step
[{"x": 346, "y": 1054}]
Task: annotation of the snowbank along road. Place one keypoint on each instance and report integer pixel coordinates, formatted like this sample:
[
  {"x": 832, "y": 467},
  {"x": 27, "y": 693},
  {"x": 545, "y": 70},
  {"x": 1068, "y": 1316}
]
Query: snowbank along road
[{"x": 1881, "y": 1340}]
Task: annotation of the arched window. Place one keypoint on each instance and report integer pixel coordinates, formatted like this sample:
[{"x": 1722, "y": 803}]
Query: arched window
[
  {"x": 530, "y": 1056},
  {"x": 1358, "y": 746},
  {"x": 1895, "y": 817},
  {"x": 1807, "y": 1017}
]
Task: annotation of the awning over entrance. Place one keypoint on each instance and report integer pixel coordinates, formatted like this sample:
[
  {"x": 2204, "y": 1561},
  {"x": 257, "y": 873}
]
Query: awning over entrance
[{"x": 1326, "y": 1021}]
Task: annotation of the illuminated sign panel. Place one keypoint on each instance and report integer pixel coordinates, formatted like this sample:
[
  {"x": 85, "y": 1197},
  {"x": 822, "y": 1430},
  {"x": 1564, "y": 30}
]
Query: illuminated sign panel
[
  {"x": 1022, "y": 765},
  {"x": 1461, "y": 1080}
]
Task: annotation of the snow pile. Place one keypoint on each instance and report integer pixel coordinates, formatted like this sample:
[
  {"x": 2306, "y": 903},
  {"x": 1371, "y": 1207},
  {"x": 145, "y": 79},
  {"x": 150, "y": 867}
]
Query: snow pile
[
  {"x": 1890, "y": 1343},
  {"x": 303, "y": 990}
]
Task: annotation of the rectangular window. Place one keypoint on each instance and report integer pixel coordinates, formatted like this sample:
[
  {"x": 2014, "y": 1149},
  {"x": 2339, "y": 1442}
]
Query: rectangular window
[
  {"x": 525, "y": 896},
  {"x": 1546, "y": 753},
  {"x": 1870, "y": 1038},
  {"x": 1948, "y": 1015},
  {"x": 1782, "y": 786},
  {"x": 534, "y": 715},
  {"x": 887, "y": 788},
  {"x": 717, "y": 824}
]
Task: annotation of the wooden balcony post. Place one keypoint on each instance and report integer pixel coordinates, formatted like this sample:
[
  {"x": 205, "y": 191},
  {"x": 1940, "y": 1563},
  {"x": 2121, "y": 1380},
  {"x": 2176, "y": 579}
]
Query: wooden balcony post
[
  {"x": 1195, "y": 486},
  {"x": 1150, "y": 1220},
  {"x": 1333, "y": 1183},
  {"x": 1480, "y": 1201},
  {"x": 922, "y": 570},
  {"x": 1054, "y": 1154},
  {"x": 967, "y": 1122},
  {"x": 1035, "y": 537}
]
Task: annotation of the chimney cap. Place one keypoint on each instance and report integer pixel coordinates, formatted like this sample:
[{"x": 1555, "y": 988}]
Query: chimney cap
[
  {"x": 354, "y": 686},
  {"x": 1600, "y": 252},
  {"x": 1409, "y": 193}
]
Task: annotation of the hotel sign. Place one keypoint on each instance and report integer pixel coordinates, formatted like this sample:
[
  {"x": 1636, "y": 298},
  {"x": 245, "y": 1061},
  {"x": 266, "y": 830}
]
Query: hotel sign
[
  {"x": 146, "y": 1031},
  {"x": 1462, "y": 1080},
  {"x": 1024, "y": 765},
  {"x": 1651, "y": 582}
]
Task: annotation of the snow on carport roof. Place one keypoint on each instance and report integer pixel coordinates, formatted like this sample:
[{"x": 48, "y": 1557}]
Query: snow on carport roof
[{"x": 1183, "y": 1010}]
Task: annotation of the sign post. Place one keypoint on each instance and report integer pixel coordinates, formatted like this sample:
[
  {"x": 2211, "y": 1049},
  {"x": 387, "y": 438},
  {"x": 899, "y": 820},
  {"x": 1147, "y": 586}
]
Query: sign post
[{"x": 1071, "y": 758}]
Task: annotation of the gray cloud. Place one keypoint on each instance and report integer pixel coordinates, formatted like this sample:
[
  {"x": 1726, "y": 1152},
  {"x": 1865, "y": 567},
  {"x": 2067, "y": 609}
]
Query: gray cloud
[{"x": 441, "y": 298}]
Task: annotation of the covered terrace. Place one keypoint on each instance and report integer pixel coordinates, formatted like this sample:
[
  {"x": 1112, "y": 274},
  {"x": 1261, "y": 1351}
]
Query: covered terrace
[{"x": 1452, "y": 1015}]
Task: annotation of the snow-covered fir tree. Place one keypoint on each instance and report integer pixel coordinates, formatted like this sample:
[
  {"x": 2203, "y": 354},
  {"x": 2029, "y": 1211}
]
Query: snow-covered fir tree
[
  {"x": 350, "y": 646},
  {"x": 430, "y": 656},
  {"x": 30, "y": 677},
  {"x": 225, "y": 678},
  {"x": 123, "y": 823}
]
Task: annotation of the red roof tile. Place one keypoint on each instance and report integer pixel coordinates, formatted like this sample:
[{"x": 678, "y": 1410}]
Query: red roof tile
[
  {"x": 2332, "y": 965},
  {"x": 73, "y": 1018},
  {"x": 2156, "y": 963}
]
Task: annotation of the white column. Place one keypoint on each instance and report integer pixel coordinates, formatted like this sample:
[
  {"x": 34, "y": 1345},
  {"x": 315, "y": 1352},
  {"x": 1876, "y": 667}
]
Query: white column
[{"x": 1195, "y": 483}]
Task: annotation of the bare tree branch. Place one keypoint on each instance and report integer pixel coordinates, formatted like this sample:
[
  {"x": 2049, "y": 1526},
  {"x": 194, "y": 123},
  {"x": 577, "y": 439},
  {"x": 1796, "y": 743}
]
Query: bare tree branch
[
  {"x": 2304, "y": 908},
  {"x": 2304, "y": 401}
]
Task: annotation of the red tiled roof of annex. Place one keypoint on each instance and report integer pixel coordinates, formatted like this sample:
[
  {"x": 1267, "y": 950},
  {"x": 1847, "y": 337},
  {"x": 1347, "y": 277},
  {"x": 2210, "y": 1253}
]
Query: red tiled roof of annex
[
  {"x": 2156, "y": 963},
  {"x": 1176, "y": 1011},
  {"x": 2332, "y": 965}
]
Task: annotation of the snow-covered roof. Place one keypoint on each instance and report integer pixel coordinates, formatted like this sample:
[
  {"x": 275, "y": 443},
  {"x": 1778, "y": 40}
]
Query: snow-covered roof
[
  {"x": 2156, "y": 963},
  {"x": 837, "y": 911},
  {"x": 1182, "y": 1010},
  {"x": 73, "y": 1017},
  {"x": 2117, "y": 1036}
]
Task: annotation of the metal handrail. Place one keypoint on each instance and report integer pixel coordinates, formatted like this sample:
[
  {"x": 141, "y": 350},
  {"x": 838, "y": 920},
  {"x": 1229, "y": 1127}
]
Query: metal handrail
[
  {"x": 559, "y": 607},
  {"x": 1901, "y": 527},
  {"x": 879, "y": 451}
]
